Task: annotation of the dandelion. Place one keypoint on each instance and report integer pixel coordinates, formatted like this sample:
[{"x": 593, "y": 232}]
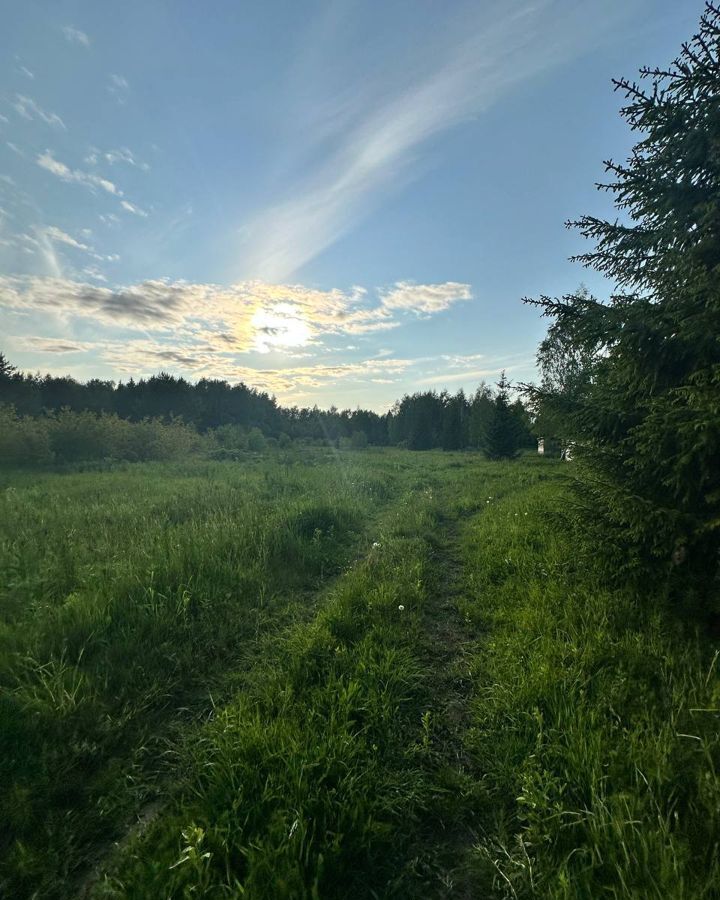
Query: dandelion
[
  {"x": 401, "y": 607},
  {"x": 376, "y": 544}
]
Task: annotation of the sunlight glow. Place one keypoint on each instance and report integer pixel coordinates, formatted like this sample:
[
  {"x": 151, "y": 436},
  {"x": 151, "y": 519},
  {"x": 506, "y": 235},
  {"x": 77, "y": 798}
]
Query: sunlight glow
[{"x": 280, "y": 327}]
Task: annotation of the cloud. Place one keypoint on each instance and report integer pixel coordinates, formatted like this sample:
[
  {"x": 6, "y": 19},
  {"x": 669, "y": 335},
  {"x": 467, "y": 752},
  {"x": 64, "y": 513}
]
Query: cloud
[
  {"x": 425, "y": 298},
  {"x": 14, "y": 148},
  {"x": 147, "y": 356},
  {"x": 94, "y": 273},
  {"x": 55, "y": 345},
  {"x": 208, "y": 330},
  {"x": 131, "y": 208},
  {"x": 125, "y": 156},
  {"x": 245, "y": 317},
  {"x": 29, "y": 109},
  {"x": 119, "y": 87},
  {"x": 61, "y": 237},
  {"x": 75, "y": 36},
  {"x": 379, "y": 130},
  {"x": 26, "y": 72},
  {"x": 47, "y": 161}
]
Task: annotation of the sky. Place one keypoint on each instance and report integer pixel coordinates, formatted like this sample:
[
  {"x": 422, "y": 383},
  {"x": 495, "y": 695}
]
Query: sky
[{"x": 336, "y": 202}]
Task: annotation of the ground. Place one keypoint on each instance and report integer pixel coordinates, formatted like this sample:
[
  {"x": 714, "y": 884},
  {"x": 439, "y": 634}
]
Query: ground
[{"x": 340, "y": 674}]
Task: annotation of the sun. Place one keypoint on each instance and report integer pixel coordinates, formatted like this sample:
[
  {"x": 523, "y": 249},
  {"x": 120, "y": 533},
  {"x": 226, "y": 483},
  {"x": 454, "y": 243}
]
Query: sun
[{"x": 279, "y": 327}]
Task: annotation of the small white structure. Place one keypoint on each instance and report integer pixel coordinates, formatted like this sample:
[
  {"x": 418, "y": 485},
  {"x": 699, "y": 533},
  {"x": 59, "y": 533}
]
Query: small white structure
[
  {"x": 567, "y": 453},
  {"x": 541, "y": 446}
]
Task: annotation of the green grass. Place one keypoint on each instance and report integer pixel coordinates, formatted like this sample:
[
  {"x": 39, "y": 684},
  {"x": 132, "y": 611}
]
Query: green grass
[
  {"x": 596, "y": 723},
  {"x": 217, "y": 650}
]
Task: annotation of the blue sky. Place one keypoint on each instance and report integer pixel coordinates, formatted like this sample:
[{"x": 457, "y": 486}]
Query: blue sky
[{"x": 337, "y": 202}]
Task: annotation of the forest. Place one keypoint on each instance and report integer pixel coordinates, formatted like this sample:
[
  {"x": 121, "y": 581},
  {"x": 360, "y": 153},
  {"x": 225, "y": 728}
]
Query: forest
[{"x": 490, "y": 420}]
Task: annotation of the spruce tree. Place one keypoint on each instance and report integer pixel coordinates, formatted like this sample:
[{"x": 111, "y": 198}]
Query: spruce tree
[
  {"x": 643, "y": 402},
  {"x": 502, "y": 436}
]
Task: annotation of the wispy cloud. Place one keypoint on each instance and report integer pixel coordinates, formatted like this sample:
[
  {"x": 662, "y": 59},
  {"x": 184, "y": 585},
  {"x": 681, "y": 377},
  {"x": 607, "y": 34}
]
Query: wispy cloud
[
  {"x": 29, "y": 109},
  {"x": 425, "y": 298},
  {"x": 123, "y": 155},
  {"x": 375, "y": 144},
  {"x": 131, "y": 208},
  {"x": 61, "y": 237},
  {"x": 48, "y": 162},
  {"x": 75, "y": 36},
  {"x": 89, "y": 180},
  {"x": 23, "y": 70},
  {"x": 54, "y": 345},
  {"x": 119, "y": 87}
]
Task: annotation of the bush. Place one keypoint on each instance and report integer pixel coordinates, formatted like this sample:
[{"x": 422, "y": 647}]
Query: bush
[
  {"x": 256, "y": 440},
  {"x": 69, "y": 436},
  {"x": 23, "y": 441}
]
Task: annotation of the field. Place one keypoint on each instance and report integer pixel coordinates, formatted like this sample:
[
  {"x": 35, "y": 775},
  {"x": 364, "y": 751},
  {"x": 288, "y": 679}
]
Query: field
[{"x": 340, "y": 674}]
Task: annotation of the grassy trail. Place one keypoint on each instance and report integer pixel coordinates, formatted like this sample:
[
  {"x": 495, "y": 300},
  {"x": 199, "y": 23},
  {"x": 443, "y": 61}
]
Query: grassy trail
[
  {"x": 383, "y": 676},
  {"x": 446, "y": 836}
]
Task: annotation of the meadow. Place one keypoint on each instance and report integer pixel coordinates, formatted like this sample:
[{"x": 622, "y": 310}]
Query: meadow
[{"x": 309, "y": 673}]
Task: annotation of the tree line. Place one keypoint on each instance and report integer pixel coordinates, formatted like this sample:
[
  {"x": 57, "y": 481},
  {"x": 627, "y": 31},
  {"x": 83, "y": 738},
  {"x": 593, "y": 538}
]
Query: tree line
[{"x": 489, "y": 420}]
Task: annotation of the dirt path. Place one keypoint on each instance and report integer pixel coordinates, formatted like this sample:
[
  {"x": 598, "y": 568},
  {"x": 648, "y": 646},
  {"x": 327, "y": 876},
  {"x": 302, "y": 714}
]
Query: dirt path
[{"x": 447, "y": 834}]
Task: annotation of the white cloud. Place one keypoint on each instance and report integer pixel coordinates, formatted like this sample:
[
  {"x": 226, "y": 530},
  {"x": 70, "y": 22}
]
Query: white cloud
[
  {"x": 47, "y": 161},
  {"x": 14, "y": 148},
  {"x": 374, "y": 143},
  {"x": 61, "y": 237},
  {"x": 26, "y": 72},
  {"x": 125, "y": 156},
  {"x": 207, "y": 330},
  {"x": 249, "y": 316},
  {"x": 425, "y": 298},
  {"x": 29, "y": 109},
  {"x": 75, "y": 36},
  {"x": 4, "y": 119},
  {"x": 119, "y": 87},
  {"x": 94, "y": 273},
  {"x": 131, "y": 208}
]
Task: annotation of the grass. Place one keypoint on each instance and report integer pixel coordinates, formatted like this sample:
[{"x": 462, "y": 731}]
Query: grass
[{"x": 373, "y": 674}]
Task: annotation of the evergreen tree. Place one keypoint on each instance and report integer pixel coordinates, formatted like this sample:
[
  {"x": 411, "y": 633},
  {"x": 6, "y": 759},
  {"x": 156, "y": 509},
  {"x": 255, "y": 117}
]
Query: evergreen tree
[
  {"x": 644, "y": 400},
  {"x": 479, "y": 415},
  {"x": 502, "y": 437},
  {"x": 6, "y": 370}
]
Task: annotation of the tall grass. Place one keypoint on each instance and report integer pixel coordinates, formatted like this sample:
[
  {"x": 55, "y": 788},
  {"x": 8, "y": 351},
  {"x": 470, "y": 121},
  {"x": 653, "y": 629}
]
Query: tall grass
[
  {"x": 128, "y": 596},
  {"x": 597, "y": 722},
  {"x": 380, "y": 674}
]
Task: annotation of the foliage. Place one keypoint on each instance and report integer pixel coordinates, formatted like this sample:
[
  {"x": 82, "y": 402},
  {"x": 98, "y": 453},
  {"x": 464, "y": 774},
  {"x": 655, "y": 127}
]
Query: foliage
[
  {"x": 503, "y": 433},
  {"x": 71, "y": 437},
  {"x": 595, "y": 722},
  {"x": 637, "y": 379}
]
